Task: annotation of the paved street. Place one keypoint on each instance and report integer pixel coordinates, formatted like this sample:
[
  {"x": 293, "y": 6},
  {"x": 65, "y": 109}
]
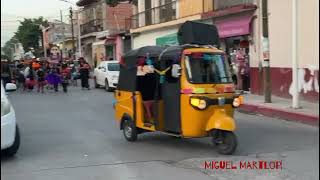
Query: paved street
[{"x": 74, "y": 136}]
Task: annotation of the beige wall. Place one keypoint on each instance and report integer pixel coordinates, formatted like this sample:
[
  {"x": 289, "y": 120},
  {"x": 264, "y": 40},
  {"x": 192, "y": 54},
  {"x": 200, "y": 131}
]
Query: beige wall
[
  {"x": 149, "y": 37},
  {"x": 208, "y": 5},
  {"x": 255, "y": 42},
  {"x": 189, "y": 7},
  {"x": 307, "y": 34},
  {"x": 280, "y": 33}
]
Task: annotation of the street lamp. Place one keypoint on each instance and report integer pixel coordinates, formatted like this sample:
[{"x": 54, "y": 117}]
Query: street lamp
[{"x": 78, "y": 22}]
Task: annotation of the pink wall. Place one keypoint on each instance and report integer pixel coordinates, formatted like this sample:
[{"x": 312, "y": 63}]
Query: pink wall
[
  {"x": 281, "y": 80},
  {"x": 115, "y": 16}
]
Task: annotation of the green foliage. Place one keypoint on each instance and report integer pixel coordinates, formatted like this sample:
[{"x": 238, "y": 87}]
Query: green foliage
[
  {"x": 8, "y": 48},
  {"x": 3, "y": 56},
  {"x": 28, "y": 34}
]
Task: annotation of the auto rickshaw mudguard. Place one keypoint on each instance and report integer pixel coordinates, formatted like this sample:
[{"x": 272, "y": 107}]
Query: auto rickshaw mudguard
[{"x": 220, "y": 120}]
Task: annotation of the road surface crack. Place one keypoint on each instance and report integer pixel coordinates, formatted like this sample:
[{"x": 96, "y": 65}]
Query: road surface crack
[{"x": 100, "y": 164}]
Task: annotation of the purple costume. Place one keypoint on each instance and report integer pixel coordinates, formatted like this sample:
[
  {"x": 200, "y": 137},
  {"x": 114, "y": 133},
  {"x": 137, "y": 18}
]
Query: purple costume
[{"x": 53, "y": 77}]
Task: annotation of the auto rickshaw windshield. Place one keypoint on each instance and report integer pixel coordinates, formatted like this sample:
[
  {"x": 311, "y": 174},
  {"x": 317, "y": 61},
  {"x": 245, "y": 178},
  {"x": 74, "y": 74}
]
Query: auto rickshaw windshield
[{"x": 206, "y": 68}]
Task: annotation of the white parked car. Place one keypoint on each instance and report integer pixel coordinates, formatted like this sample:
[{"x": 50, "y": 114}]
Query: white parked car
[
  {"x": 106, "y": 74},
  {"x": 10, "y": 137}
]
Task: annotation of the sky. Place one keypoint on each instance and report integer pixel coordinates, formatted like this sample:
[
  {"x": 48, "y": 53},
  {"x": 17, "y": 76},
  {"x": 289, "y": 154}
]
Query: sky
[{"x": 14, "y": 10}]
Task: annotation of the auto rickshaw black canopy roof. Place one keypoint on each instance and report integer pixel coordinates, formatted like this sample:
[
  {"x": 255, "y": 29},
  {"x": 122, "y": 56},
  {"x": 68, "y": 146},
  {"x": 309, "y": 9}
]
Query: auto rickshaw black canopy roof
[
  {"x": 190, "y": 34},
  {"x": 198, "y": 33},
  {"x": 128, "y": 66},
  {"x": 132, "y": 57}
]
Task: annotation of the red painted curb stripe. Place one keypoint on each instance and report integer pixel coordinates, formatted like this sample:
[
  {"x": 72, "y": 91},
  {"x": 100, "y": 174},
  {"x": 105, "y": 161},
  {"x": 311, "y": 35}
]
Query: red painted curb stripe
[{"x": 282, "y": 114}]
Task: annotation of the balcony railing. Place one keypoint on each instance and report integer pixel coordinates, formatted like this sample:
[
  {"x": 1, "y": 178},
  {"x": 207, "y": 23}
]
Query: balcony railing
[
  {"x": 91, "y": 26},
  {"x": 160, "y": 14},
  {"x": 168, "y": 12}
]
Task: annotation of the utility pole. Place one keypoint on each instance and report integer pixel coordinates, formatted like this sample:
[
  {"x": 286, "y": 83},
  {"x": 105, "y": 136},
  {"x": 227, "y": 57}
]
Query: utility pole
[
  {"x": 266, "y": 59},
  {"x": 62, "y": 25},
  {"x": 295, "y": 95},
  {"x": 78, "y": 25},
  {"x": 44, "y": 43},
  {"x": 43, "y": 30},
  {"x": 72, "y": 32},
  {"x": 79, "y": 33}
]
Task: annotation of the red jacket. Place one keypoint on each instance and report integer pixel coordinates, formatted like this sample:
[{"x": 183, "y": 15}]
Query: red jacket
[{"x": 66, "y": 72}]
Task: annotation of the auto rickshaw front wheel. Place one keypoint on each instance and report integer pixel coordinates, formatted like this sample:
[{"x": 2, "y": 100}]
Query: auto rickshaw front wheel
[
  {"x": 130, "y": 130},
  {"x": 225, "y": 141}
]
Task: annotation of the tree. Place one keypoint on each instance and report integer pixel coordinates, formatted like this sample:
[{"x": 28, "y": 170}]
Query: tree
[
  {"x": 3, "y": 56},
  {"x": 29, "y": 34},
  {"x": 8, "y": 47}
]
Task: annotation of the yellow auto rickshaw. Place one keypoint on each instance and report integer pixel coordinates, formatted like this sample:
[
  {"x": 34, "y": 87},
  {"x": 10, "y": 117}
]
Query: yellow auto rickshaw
[{"x": 185, "y": 91}]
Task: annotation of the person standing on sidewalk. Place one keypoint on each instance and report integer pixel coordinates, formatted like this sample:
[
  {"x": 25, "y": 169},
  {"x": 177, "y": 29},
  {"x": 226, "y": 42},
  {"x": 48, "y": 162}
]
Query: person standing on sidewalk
[
  {"x": 84, "y": 75},
  {"x": 240, "y": 59}
]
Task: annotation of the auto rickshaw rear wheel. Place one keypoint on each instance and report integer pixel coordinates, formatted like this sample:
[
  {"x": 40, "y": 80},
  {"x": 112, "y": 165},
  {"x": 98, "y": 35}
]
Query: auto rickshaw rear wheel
[
  {"x": 225, "y": 141},
  {"x": 130, "y": 130}
]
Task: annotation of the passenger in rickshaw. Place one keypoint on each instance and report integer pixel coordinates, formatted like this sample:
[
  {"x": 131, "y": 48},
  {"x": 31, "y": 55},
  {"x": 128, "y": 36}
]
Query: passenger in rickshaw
[{"x": 146, "y": 85}]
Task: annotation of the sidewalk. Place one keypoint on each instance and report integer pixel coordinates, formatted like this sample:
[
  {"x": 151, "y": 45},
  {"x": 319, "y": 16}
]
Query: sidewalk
[{"x": 281, "y": 108}]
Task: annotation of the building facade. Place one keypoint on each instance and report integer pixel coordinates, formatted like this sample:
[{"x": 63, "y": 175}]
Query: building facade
[
  {"x": 156, "y": 22},
  {"x": 60, "y": 35},
  {"x": 98, "y": 25},
  {"x": 280, "y": 39},
  {"x": 241, "y": 29}
]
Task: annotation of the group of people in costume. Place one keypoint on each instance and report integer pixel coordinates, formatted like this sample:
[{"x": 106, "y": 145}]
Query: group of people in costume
[{"x": 36, "y": 73}]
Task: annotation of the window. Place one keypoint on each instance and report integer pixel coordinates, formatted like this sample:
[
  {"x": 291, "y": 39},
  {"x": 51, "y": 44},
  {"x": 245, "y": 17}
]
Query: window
[
  {"x": 167, "y": 10},
  {"x": 113, "y": 67},
  {"x": 207, "y": 68}
]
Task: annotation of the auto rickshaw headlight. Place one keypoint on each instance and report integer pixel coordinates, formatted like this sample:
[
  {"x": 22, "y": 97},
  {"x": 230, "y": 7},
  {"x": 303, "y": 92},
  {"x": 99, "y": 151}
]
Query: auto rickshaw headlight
[
  {"x": 237, "y": 101},
  {"x": 198, "y": 103}
]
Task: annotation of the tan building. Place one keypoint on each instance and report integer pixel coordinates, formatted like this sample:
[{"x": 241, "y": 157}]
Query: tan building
[
  {"x": 157, "y": 21},
  {"x": 97, "y": 22},
  {"x": 59, "y": 34},
  {"x": 280, "y": 40}
]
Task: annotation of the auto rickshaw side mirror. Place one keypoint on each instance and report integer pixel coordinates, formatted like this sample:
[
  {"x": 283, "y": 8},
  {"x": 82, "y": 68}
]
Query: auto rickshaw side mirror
[{"x": 176, "y": 70}]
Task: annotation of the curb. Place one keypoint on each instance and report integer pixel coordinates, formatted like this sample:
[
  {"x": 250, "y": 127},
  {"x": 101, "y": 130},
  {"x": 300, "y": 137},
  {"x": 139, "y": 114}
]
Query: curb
[{"x": 279, "y": 113}]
